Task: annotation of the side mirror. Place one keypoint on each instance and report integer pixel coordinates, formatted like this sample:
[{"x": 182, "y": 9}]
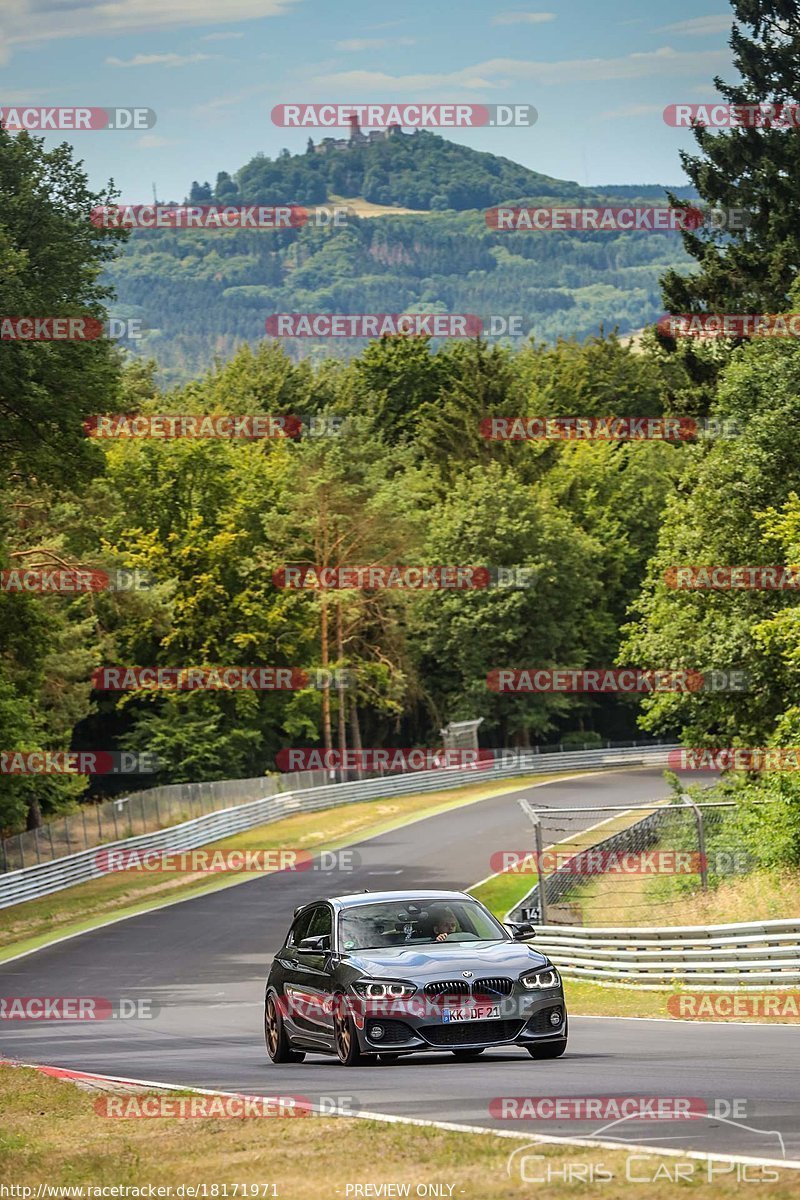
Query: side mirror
[
  {"x": 522, "y": 930},
  {"x": 315, "y": 945}
]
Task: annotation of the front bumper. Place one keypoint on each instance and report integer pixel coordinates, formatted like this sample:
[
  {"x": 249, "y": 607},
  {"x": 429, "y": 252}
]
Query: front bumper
[{"x": 524, "y": 1020}]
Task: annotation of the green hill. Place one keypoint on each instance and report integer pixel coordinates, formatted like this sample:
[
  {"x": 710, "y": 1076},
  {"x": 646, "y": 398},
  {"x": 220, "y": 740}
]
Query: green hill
[
  {"x": 421, "y": 170},
  {"x": 200, "y": 294}
]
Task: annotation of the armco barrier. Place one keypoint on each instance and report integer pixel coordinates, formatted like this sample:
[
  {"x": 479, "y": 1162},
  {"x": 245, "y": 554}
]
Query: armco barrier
[
  {"x": 130, "y": 816},
  {"x": 764, "y": 953},
  {"x": 47, "y": 877}
]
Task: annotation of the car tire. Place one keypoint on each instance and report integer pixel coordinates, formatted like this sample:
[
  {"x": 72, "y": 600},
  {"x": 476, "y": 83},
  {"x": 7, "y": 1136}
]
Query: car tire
[
  {"x": 465, "y": 1055},
  {"x": 345, "y": 1037},
  {"x": 279, "y": 1048},
  {"x": 548, "y": 1049}
]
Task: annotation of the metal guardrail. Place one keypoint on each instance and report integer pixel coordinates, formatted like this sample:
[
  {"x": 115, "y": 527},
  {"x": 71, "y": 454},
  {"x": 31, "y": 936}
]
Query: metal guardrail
[
  {"x": 130, "y": 816},
  {"x": 758, "y": 954},
  {"x": 47, "y": 877}
]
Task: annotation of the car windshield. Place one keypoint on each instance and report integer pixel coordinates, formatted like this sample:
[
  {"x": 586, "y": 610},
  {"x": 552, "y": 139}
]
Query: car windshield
[{"x": 416, "y": 923}]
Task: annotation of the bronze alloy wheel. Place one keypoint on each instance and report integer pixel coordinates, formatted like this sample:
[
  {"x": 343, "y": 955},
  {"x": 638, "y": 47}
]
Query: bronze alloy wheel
[
  {"x": 279, "y": 1048},
  {"x": 272, "y": 1032},
  {"x": 345, "y": 1037}
]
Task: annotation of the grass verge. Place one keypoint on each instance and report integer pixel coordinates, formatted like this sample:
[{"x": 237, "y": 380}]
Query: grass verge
[
  {"x": 126, "y": 893},
  {"x": 503, "y": 891},
  {"x": 762, "y": 895},
  {"x": 766, "y": 895},
  {"x": 52, "y": 1135}
]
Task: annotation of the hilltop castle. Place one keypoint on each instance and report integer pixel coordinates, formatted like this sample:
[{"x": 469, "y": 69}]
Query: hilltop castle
[{"x": 357, "y": 138}]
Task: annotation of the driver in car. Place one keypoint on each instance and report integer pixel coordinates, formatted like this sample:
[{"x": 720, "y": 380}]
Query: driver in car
[{"x": 444, "y": 923}]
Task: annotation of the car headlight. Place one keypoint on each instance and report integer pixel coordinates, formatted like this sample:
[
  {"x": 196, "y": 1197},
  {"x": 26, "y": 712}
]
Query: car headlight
[
  {"x": 383, "y": 989},
  {"x": 544, "y": 977}
]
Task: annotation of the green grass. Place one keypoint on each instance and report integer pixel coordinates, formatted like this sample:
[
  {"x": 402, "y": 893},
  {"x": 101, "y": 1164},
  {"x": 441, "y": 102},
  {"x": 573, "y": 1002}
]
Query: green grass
[
  {"x": 504, "y": 891},
  {"x": 52, "y": 1133}
]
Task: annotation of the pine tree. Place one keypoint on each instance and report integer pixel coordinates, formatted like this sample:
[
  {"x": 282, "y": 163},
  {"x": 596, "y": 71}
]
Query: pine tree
[{"x": 750, "y": 168}]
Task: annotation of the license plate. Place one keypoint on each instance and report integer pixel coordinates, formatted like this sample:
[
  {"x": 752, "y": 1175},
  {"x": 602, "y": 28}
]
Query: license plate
[{"x": 475, "y": 1012}]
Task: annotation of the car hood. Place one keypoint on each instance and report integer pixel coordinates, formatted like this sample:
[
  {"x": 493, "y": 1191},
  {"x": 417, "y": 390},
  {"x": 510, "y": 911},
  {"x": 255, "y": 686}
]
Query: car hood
[{"x": 447, "y": 961}]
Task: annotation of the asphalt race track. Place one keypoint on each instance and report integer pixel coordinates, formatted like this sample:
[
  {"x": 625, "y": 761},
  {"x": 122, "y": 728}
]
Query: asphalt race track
[{"x": 203, "y": 963}]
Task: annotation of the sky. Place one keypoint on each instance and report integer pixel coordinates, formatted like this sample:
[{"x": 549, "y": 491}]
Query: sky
[{"x": 599, "y": 75}]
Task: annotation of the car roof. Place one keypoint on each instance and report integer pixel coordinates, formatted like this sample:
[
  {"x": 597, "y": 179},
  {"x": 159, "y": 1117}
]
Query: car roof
[{"x": 354, "y": 898}]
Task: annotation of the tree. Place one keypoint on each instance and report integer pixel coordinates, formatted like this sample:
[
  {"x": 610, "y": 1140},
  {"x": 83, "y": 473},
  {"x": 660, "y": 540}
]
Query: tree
[
  {"x": 350, "y": 501},
  {"x": 200, "y": 193},
  {"x": 748, "y": 168},
  {"x": 226, "y": 190},
  {"x": 732, "y": 506},
  {"x": 489, "y": 518},
  {"x": 396, "y": 376},
  {"x": 51, "y": 258}
]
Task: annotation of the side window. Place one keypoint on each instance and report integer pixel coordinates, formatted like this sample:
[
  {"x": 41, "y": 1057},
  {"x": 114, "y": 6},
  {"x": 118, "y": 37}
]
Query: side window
[
  {"x": 321, "y": 922},
  {"x": 300, "y": 928}
]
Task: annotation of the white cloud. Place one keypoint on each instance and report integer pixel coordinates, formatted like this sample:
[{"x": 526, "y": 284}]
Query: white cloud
[
  {"x": 154, "y": 141},
  {"x": 631, "y": 110},
  {"x": 374, "y": 43},
  {"x": 220, "y": 37},
  {"x": 497, "y": 73},
  {"x": 700, "y": 26},
  {"x": 217, "y": 104},
  {"x": 159, "y": 60},
  {"x": 30, "y": 21},
  {"x": 523, "y": 18}
]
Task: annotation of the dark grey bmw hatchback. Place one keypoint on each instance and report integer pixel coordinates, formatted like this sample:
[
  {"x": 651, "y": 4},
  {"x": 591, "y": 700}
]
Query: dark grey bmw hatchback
[{"x": 394, "y": 973}]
